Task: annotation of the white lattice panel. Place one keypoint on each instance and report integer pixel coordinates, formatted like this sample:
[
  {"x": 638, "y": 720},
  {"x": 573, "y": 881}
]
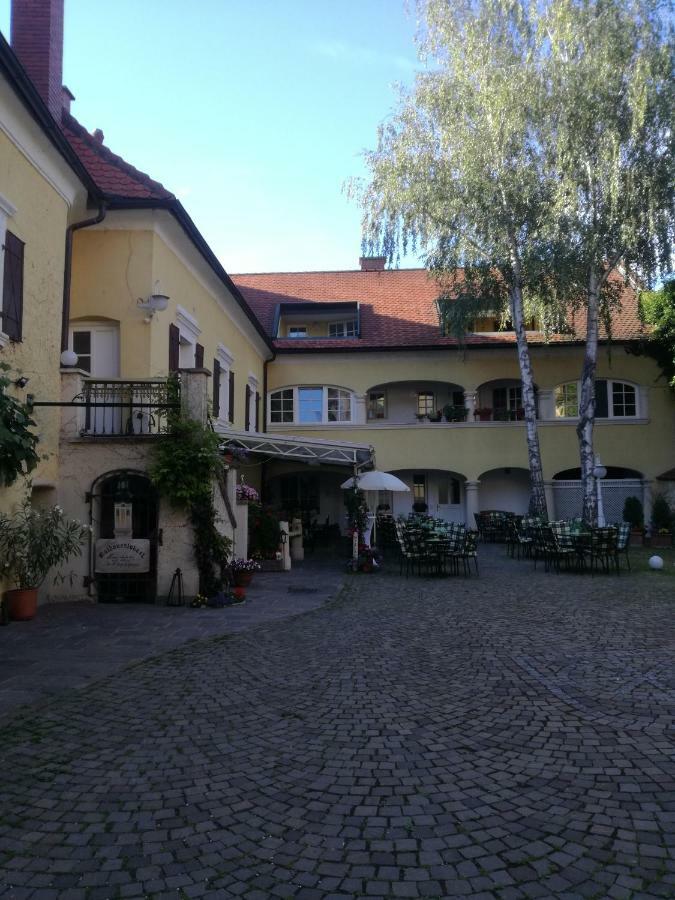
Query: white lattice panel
[{"x": 568, "y": 497}]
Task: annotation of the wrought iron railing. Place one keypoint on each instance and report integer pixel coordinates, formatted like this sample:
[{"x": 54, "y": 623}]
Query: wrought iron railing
[{"x": 126, "y": 408}]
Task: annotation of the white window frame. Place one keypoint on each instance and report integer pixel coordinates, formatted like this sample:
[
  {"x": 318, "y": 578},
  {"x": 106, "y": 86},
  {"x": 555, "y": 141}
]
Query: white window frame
[
  {"x": 296, "y": 337},
  {"x": 7, "y": 210},
  {"x": 610, "y": 402},
  {"x": 189, "y": 332},
  {"x": 226, "y": 360},
  {"x": 343, "y": 323},
  {"x": 324, "y": 405}
]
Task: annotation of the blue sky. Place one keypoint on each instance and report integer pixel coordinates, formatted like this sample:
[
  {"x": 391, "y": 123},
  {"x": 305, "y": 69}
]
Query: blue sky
[{"x": 254, "y": 112}]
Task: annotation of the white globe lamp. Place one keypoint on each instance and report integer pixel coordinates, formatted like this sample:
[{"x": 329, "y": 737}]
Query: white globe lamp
[
  {"x": 69, "y": 358},
  {"x": 656, "y": 563}
]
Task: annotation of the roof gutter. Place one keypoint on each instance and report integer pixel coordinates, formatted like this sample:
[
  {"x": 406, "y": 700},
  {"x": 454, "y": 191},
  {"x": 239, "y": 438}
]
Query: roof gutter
[{"x": 68, "y": 269}]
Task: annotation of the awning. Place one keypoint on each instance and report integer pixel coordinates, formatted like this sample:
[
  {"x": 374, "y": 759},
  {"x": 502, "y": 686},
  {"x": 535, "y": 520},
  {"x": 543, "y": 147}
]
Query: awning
[{"x": 340, "y": 453}]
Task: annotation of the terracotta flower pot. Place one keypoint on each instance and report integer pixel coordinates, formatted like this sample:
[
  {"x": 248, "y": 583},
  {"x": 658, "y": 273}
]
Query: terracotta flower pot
[
  {"x": 243, "y": 579},
  {"x": 22, "y": 604},
  {"x": 239, "y": 594}
]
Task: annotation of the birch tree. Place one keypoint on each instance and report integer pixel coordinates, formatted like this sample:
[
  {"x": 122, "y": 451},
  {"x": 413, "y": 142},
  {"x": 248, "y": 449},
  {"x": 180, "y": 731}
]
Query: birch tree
[
  {"x": 610, "y": 81},
  {"x": 459, "y": 172}
]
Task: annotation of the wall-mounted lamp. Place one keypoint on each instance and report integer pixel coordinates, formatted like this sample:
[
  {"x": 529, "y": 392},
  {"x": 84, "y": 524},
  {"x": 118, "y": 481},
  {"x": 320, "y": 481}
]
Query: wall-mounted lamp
[
  {"x": 69, "y": 358},
  {"x": 21, "y": 382},
  {"x": 154, "y": 304}
]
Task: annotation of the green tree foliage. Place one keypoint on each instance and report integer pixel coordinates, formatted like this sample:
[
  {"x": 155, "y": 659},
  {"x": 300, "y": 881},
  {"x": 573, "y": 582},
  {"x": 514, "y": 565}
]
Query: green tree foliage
[
  {"x": 608, "y": 73},
  {"x": 18, "y": 454},
  {"x": 460, "y": 174},
  {"x": 657, "y": 309}
]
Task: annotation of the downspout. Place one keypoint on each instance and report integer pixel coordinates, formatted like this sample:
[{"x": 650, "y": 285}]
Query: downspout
[{"x": 68, "y": 268}]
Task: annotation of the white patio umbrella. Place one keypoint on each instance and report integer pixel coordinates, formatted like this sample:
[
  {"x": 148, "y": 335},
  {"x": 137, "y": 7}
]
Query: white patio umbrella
[{"x": 376, "y": 481}]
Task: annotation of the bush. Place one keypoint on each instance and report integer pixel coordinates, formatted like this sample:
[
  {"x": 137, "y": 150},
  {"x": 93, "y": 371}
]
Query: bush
[
  {"x": 633, "y": 514},
  {"x": 662, "y": 514}
]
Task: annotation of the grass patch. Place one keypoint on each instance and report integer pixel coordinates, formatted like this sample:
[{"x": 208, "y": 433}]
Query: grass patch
[{"x": 639, "y": 560}]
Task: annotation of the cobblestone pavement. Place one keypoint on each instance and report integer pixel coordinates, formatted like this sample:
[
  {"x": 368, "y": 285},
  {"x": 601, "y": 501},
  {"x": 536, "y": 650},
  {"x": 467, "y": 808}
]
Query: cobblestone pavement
[
  {"x": 503, "y": 736},
  {"x": 69, "y": 645}
]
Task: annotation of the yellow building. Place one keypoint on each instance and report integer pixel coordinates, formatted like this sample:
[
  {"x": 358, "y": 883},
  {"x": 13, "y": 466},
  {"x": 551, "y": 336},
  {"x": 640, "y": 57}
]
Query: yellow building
[
  {"x": 361, "y": 356},
  {"x": 43, "y": 191}
]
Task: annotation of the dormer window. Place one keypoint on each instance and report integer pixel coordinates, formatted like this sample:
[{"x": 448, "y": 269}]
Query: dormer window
[
  {"x": 342, "y": 329},
  {"x": 297, "y": 331}
]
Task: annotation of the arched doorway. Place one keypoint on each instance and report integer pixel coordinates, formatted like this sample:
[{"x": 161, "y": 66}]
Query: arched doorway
[
  {"x": 506, "y": 489},
  {"x": 618, "y": 484},
  {"x": 125, "y": 509}
]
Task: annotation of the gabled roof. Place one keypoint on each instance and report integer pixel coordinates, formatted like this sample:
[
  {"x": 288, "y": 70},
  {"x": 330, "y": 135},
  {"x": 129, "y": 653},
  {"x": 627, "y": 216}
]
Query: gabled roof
[
  {"x": 398, "y": 310},
  {"x": 115, "y": 177},
  {"x": 29, "y": 96}
]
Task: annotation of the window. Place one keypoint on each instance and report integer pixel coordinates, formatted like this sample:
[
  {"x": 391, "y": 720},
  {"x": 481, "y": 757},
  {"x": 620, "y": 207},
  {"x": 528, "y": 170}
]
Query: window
[
  {"x": 297, "y": 331},
  {"x": 567, "y": 400},
  {"x": 310, "y": 405},
  {"x": 11, "y": 299},
  {"x": 82, "y": 346},
  {"x": 377, "y": 405},
  {"x": 613, "y": 400},
  {"x": 508, "y": 398},
  {"x": 448, "y": 491},
  {"x": 223, "y": 401},
  {"x": 342, "y": 329},
  {"x": 491, "y": 324},
  {"x": 281, "y": 406},
  {"x": 339, "y": 405},
  {"x": 425, "y": 403},
  {"x": 419, "y": 488},
  {"x": 623, "y": 399}
]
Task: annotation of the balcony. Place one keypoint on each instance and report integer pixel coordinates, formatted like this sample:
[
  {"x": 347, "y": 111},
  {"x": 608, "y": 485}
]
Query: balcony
[
  {"x": 415, "y": 402},
  {"x": 117, "y": 408}
]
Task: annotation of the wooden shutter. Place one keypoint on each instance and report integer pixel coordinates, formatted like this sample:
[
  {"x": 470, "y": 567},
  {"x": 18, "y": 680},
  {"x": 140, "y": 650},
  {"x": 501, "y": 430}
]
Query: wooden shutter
[
  {"x": 12, "y": 288},
  {"x": 174, "y": 347},
  {"x": 257, "y": 411},
  {"x": 247, "y": 408},
  {"x": 199, "y": 356},
  {"x": 216, "y": 389},
  {"x": 230, "y": 408}
]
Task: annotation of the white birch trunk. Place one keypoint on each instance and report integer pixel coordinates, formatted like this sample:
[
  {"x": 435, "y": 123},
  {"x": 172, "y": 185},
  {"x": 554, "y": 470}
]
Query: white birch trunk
[
  {"x": 587, "y": 401},
  {"x": 537, "y": 493}
]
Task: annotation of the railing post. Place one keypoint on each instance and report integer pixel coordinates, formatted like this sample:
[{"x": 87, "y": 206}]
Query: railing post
[
  {"x": 194, "y": 394},
  {"x": 72, "y": 385}
]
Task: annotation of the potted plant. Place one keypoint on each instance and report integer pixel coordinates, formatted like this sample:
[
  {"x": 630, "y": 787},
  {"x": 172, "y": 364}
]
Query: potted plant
[
  {"x": 419, "y": 506},
  {"x": 31, "y": 543},
  {"x": 662, "y": 522},
  {"x": 421, "y": 417},
  {"x": 247, "y": 494},
  {"x": 436, "y": 417},
  {"x": 632, "y": 513},
  {"x": 242, "y": 571},
  {"x": 484, "y": 414}
]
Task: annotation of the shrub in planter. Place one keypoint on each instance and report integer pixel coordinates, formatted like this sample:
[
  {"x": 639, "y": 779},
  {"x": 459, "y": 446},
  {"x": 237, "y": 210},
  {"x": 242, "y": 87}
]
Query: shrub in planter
[
  {"x": 31, "y": 543},
  {"x": 662, "y": 522},
  {"x": 419, "y": 506}
]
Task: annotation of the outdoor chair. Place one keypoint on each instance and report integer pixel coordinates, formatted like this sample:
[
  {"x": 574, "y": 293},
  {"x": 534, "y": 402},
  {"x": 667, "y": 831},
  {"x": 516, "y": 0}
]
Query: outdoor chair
[
  {"x": 563, "y": 548},
  {"x": 410, "y": 552},
  {"x": 622, "y": 543},
  {"x": 601, "y": 550},
  {"x": 469, "y": 551}
]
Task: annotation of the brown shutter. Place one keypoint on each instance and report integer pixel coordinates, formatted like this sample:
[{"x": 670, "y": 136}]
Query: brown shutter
[
  {"x": 231, "y": 398},
  {"x": 216, "y": 389},
  {"x": 257, "y": 411},
  {"x": 12, "y": 288},
  {"x": 247, "y": 410},
  {"x": 199, "y": 356},
  {"x": 174, "y": 346}
]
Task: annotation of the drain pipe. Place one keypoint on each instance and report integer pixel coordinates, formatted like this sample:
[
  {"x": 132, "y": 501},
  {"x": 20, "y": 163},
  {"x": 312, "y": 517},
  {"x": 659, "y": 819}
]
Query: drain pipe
[
  {"x": 263, "y": 467},
  {"x": 68, "y": 269}
]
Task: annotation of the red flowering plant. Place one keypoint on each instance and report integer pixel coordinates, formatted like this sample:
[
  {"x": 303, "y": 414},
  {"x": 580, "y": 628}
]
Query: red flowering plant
[{"x": 264, "y": 533}]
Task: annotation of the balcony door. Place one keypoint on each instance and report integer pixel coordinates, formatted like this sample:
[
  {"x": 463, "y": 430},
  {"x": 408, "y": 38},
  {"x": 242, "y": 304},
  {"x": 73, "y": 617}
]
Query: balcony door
[{"x": 97, "y": 345}]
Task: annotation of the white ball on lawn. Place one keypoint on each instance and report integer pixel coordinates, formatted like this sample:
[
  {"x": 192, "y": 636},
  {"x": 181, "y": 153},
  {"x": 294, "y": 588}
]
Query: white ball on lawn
[{"x": 655, "y": 562}]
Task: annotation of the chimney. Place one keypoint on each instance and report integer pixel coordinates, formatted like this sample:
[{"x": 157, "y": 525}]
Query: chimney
[
  {"x": 37, "y": 40},
  {"x": 372, "y": 263}
]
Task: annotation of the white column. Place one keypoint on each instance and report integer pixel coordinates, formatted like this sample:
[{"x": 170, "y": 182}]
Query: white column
[
  {"x": 546, "y": 403},
  {"x": 359, "y": 409},
  {"x": 471, "y": 502},
  {"x": 550, "y": 499},
  {"x": 647, "y": 503},
  {"x": 470, "y": 404}
]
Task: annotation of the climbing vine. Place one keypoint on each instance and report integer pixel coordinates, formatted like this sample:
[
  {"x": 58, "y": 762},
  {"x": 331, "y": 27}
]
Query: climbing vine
[
  {"x": 187, "y": 461},
  {"x": 18, "y": 455}
]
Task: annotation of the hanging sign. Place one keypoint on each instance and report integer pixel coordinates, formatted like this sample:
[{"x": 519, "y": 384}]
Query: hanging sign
[{"x": 122, "y": 555}]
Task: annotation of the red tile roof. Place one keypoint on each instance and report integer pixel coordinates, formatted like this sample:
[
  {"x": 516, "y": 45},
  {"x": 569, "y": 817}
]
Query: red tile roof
[
  {"x": 397, "y": 309},
  {"x": 114, "y": 177}
]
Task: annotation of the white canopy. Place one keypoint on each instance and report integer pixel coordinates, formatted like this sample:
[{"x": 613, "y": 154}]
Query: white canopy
[{"x": 376, "y": 481}]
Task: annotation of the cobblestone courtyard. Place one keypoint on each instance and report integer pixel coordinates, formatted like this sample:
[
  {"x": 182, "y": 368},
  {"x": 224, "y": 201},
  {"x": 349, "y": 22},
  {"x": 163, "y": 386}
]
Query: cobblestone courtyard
[{"x": 504, "y": 736}]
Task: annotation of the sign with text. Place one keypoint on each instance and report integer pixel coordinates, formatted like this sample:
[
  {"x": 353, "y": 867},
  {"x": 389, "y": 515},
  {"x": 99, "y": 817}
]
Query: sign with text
[{"x": 122, "y": 555}]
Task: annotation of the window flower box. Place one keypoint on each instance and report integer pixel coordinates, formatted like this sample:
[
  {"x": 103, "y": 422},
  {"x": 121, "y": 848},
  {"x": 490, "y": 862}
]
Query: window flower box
[{"x": 484, "y": 414}]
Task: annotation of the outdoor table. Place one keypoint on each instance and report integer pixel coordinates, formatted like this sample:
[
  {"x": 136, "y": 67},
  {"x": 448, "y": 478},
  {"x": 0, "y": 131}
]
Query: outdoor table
[{"x": 434, "y": 545}]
